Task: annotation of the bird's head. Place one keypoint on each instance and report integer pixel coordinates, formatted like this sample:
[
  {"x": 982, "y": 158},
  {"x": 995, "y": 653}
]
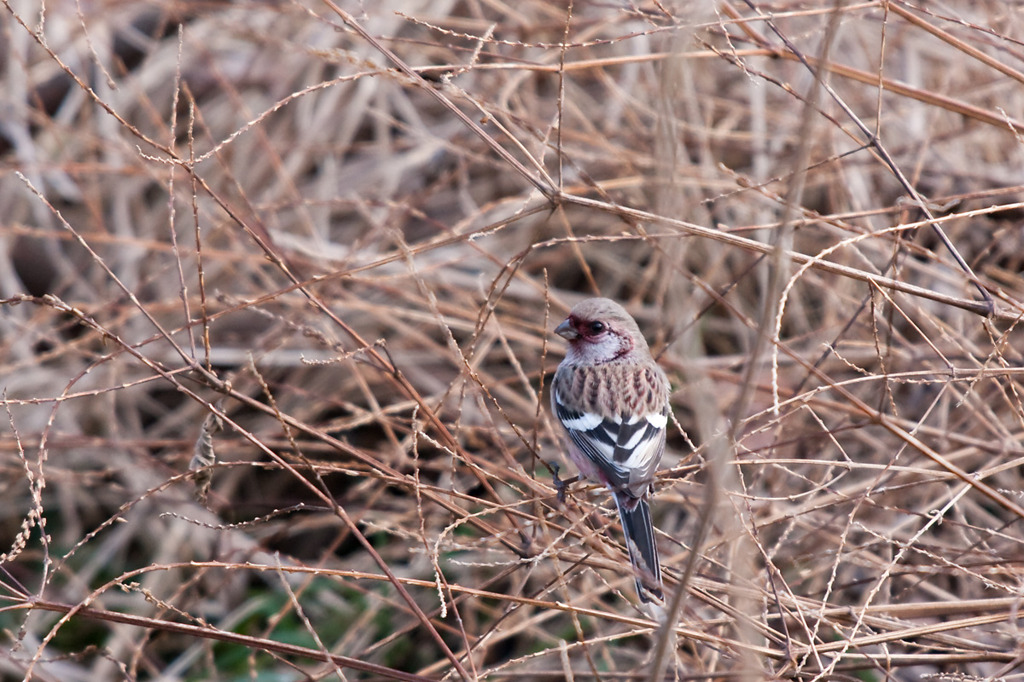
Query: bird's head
[{"x": 599, "y": 330}]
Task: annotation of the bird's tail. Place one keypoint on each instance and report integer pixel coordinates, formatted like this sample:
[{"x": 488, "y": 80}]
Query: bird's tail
[{"x": 638, "y": 530}]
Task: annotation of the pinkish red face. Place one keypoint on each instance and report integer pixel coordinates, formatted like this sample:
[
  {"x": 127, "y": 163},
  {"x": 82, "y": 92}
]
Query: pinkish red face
[
  {"x": 593, "y": 341},
  {"x": 589, "y": 330}
]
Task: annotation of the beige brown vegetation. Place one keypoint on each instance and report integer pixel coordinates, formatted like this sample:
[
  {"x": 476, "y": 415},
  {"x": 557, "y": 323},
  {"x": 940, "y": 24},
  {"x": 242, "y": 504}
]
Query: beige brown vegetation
[{"x": 347, "y": 230}]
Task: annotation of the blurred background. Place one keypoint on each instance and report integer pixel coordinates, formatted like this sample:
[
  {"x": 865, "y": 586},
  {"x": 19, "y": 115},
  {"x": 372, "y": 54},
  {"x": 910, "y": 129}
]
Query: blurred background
[{"x": 347, "y": 230}]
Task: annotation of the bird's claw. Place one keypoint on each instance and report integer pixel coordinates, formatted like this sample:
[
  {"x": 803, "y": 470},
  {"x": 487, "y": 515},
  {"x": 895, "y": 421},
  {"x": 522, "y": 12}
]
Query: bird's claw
[
  {"x": 561, "y": 485},
  {"x": 558, "y": 482}
]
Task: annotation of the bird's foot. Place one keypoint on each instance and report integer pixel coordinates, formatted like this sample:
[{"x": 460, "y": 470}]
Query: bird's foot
[{"x": 561, "y": 485}]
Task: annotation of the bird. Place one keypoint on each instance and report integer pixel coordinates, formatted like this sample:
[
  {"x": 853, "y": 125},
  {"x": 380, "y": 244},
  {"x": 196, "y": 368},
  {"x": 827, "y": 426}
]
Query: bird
[{"x": 612, "y": 402}]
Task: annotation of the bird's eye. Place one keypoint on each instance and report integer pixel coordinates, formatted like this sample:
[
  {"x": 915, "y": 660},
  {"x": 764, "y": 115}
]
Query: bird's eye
[{"x": 596, "y": 327}]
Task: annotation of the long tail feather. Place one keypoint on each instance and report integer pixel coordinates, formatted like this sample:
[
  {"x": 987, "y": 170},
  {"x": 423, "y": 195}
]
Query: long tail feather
[{"x": 638, "y": 530}]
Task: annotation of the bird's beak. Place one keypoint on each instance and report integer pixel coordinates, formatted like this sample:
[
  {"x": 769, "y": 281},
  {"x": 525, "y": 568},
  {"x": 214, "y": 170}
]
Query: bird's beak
[{"x": 566, "y": 331}]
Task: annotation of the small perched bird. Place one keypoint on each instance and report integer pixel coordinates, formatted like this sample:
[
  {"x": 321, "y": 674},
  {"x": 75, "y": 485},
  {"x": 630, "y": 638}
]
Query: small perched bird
[{"x": 612, "y": 400}]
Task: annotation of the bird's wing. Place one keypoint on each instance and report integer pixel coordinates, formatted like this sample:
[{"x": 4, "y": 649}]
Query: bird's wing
[{"x": 626, "y": 450}]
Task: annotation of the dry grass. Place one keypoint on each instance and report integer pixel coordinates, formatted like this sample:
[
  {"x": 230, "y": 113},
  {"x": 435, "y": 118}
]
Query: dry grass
[{"x": 349, "y": 236}]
